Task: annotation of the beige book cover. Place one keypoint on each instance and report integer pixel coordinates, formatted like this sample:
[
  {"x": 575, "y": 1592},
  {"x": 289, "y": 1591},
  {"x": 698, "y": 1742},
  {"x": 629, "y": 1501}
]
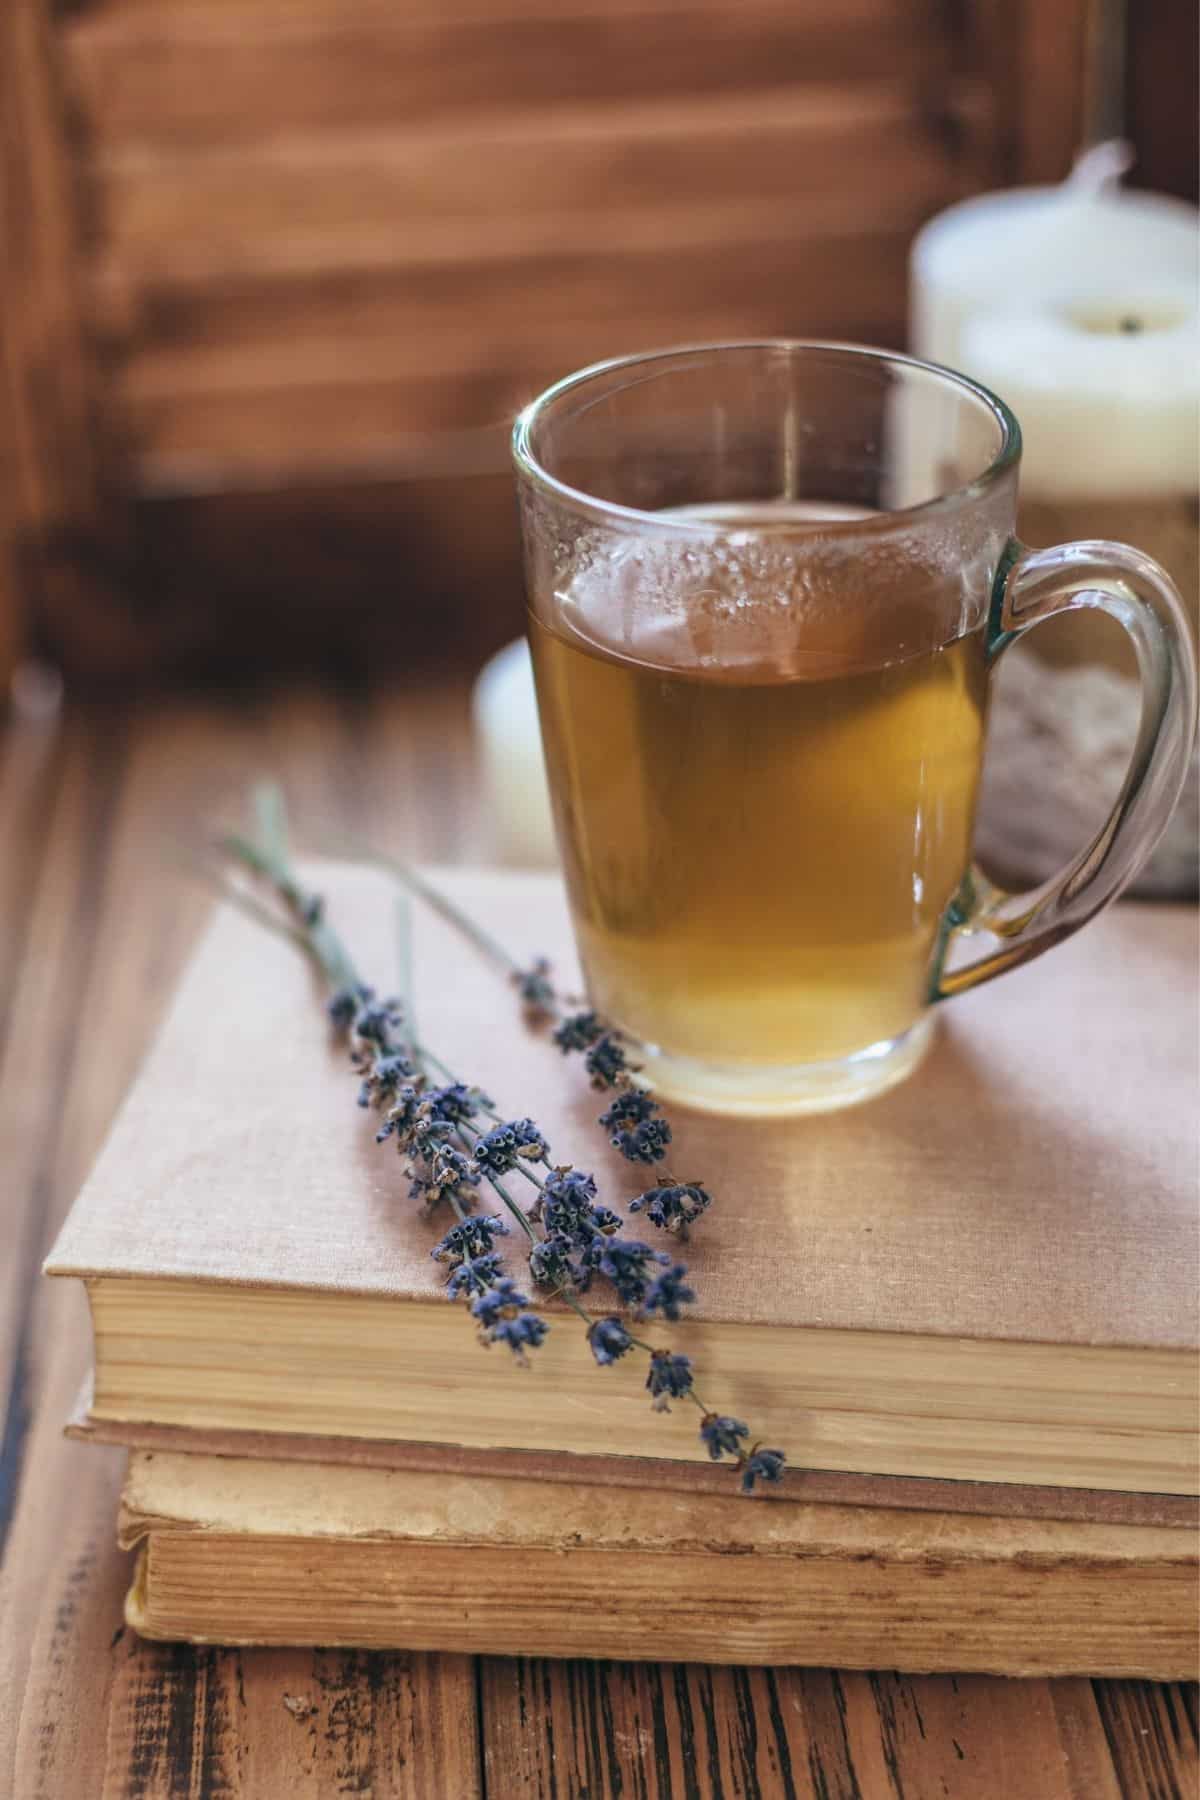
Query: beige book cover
[
  {"x": 248, "y": 1551},
  {"x": 1031, "y": 1192}
]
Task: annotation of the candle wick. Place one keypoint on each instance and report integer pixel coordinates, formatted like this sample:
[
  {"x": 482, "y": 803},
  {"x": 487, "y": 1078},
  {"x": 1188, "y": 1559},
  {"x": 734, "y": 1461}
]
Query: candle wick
[{"x": 1099, "y": 167}]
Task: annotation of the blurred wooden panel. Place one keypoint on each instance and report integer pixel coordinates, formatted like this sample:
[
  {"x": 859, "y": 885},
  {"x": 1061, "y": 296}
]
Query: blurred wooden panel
[
  {"x": 321, "y": 250},
  {"x": 194, "y": 73},
  {"x": 43, "y": 367},
  {"x": 1034, "y": 56},
  {"x": 397, "y": 378},
  {"x": 145, "y": 21},
  {"x": 1048, "y": 112},
  {"x": 338, "y": 580},
  {"x": 432, "y": 323},
  {"x": 700, "y": 171},
  {"x": 1162, "y": 101}
]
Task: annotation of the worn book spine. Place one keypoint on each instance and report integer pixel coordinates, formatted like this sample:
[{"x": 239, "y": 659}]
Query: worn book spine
[{"x": 261, "y": 1553}]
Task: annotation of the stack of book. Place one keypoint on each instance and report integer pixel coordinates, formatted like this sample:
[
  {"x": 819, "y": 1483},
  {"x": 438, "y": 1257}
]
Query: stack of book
[{"x": 967, "y": 1312}]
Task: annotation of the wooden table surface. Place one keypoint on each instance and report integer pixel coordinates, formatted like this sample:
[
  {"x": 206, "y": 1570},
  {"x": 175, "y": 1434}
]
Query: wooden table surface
[{"x": 95, "y": 920}]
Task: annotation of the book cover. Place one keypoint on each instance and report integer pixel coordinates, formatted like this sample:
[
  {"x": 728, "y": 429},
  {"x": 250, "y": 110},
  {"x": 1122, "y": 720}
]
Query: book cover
[{"x": 1029, "y": 1193}]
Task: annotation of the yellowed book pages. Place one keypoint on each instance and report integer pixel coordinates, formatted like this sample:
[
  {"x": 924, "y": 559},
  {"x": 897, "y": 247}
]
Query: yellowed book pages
[
  {"x": 837, "y": 1487},
  {"x": 988, "y": 1274},
  {"x": 247, "y": 1551}
]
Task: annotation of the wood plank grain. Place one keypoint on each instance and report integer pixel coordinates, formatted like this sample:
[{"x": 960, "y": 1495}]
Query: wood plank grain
[
  {"x": 60, "y": 1585},
  {"x": 335, "y": 384},
  {"x": 416, "y": 775},
  {"x": 605, "y": 1729},
  {"x": 45, "y": 371},
  {"x": 672, "y": 173},
  {"x": 13, "y": 606},
  {"x": 1035, "y": 58},
  {"x": 973, "y": 1737},
  {"x": 29, "y": 773},
  {"x": 513, "y": 317},
  {"x": 131, "y": 20},
  {"x": 47, "y": 968},
  {"x": 205, "y": 75},
  {"x": 1161, "y": 116},
  {"x": 1151, "y": 1732},
  {"x": 1052, "y": 99},
  {"x": 308, "y": 1724},
  {"x": 59, "y": 512}
]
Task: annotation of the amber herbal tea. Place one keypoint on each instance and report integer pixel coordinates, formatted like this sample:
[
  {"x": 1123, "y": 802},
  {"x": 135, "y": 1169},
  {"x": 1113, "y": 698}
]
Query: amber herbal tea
[{"x": 763, "y": 817}]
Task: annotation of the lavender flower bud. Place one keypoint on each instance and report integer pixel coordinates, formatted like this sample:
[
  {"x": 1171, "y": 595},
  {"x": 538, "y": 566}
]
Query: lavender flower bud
[
  {"x": 449, "y": 1171},
  {"x": 566, "y": 1202},
  {"x": 550, "y": 1263},
  {"x": 603, "y": 1220},
  {"x": 382, "y": 1080},
  {"x": 673, "y": 1207},
  {"x": 626, "y": 1263},
  {"x": 474, "y": 1275},
  {"x": 670, "y": 1378},
  {"x": 470, "y": 1237},
  {"x": 720, "y": 1435},
  {"x": 375, "y": 1021},
  {"x": 536, "y": 990},
  {"x": 403, "y": 1119},
  {"x": 524, "y": 1331},
  {"x": 344, "y": 1004},
  {"x": 497, "y": 1150},
  {"x": 504, "y": 1319},
  {"x": 578, "y": 1031},
  {"x": 762, "y": 1465},
  {"x": 456, "y": 1103},
  {"x": 606, "y": 1062},
  {"x": 501, "y": 1298},
  {"x": 634, "y": 1130},
  {"x": 668, "y": 1293},
  {"x": 609, "y": 1340}
]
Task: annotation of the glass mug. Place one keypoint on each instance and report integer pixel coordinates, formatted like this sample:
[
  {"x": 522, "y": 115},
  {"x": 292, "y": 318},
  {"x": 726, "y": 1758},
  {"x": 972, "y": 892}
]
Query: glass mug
[{"x": 767, "y": 584}]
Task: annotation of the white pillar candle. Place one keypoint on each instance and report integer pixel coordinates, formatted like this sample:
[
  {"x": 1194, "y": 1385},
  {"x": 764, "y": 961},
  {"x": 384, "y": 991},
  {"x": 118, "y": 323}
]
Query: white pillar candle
[
  {"x": 1078, "y": 306},
  {"x": 514, "y": 772},
  {"x": 1106, "y": 388}
]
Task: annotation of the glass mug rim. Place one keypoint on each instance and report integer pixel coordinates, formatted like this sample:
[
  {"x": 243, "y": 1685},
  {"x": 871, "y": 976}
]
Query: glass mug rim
[{"x": 613, "y": 512}]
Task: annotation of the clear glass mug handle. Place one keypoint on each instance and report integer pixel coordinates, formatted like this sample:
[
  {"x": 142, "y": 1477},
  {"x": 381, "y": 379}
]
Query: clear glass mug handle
[{"x": 1033, "y": 585}]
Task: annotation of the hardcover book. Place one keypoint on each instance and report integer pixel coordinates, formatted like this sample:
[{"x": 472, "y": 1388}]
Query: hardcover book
[
  {"x": 260, "y": 1551},
  {"x": 987, "y": 1275}
]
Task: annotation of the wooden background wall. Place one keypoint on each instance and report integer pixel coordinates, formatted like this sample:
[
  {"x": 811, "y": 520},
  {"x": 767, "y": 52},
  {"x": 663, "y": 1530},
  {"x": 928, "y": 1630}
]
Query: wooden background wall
[{"x": 278, "y": 272}]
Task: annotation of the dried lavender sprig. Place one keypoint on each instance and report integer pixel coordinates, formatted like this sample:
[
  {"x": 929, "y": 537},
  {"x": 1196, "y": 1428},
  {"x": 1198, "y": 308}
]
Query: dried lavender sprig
[
  {"x": 270, "y": 860},
  {"x": 500, "y": 1309},
  {"x": 440, "y": 903},
  {"x": 407, "y": 993},
  {"x": 532, "y": 981},
  {"x": 306, "y": 909},
  {"x": 608, "y": 1338},
  {"x": 640, "y": 1140},
  {"x": 669, "y": 1375}
]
